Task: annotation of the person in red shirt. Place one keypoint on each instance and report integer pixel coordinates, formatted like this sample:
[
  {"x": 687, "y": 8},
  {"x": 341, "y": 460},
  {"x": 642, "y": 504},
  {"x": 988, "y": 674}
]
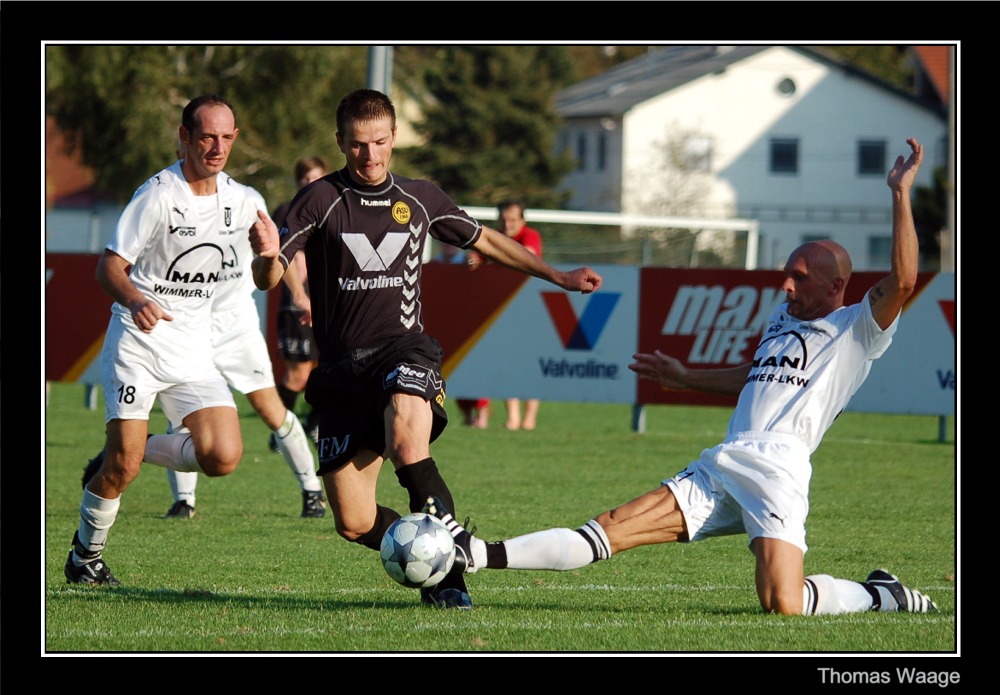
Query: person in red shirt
[{"x": 512, "y": 224}]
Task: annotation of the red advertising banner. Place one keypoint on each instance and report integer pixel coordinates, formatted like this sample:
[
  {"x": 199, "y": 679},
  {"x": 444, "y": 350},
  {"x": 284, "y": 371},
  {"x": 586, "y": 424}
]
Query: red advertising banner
[
  {"x": 714, "y": 318},
  {"x": 489, "y": 324},
  {"x": 77, "y": 311}
]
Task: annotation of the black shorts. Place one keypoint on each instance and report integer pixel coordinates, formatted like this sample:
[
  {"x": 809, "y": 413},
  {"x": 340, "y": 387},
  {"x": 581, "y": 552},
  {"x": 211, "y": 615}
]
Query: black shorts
[
  {"x": 295, "y": 341},
  {"x": 349, "y": 395}
]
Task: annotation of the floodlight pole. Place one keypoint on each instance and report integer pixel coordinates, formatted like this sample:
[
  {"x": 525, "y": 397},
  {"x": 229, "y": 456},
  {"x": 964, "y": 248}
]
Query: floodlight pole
[{"x": 380, "y": 68}]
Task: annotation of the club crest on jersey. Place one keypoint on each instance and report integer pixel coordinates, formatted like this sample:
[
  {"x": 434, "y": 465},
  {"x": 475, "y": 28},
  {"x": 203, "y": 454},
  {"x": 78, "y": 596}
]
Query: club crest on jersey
[
  {"x": 228, "y": 214},
  {"x": 401, "y": 212}
]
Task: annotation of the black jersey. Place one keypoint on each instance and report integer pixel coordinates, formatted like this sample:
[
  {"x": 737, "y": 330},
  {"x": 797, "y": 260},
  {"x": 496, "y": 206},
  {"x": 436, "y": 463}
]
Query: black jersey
[{"x": 363, "y": 247}]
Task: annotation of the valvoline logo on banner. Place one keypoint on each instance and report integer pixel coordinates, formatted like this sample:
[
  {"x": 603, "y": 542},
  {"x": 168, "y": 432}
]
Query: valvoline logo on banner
[
  {"x": 522, "y": 337},
  {"x": 580, "y": 333}
]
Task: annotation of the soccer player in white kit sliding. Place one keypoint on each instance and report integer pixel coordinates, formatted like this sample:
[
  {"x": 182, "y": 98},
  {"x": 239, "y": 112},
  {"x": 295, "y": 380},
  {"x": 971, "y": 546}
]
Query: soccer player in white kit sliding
[
  {"x": 812, "y": 358},
  {"x": 169, "y": 253}
]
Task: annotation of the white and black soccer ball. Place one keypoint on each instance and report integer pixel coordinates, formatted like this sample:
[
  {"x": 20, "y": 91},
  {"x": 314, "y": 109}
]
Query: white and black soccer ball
[{"x": 418, "y": 550}]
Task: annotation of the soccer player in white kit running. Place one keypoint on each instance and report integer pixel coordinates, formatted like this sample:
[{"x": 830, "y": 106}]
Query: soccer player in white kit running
[
  {"x": 240, "y": 352},
  {"x": 171, "y": 249},
  {"x": 814, "y": 355}
]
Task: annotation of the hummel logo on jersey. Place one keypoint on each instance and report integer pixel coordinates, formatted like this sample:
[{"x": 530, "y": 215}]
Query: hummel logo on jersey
[{"x": 367, "y": 203}]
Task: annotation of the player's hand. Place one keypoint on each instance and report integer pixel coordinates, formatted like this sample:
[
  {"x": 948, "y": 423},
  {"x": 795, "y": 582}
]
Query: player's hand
[
  {"x": 264, "y": 238},
  {"x": 582, "y": 280},
  {"x": 667, "y": 371},
  {"x": 301, "y": 301},
  {"x": 473, "y": 259},
  {"x": 904, "y": 172},
  {"x": 146, "y": 312}
]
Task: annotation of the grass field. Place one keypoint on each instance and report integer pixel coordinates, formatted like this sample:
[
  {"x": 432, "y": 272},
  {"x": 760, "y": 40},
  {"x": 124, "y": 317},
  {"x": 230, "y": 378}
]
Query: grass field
[{"x": 248, "y": 575}]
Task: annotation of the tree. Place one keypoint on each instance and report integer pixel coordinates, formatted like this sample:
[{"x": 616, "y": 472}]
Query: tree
[
  {"x": 892, "y": 63},
  {"x": 489, "y": 123},
  {"x": 121, "y": 106},
  {"x": 929, "y": 212}
]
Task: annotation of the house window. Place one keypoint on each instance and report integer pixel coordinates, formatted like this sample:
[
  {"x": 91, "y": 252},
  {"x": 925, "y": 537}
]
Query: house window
[
  {"x": 786, "y": 87},
  {"x": 784, "y": 156},
  {"x": 697, "y": 153},
  {"x": 581, "y": 151},
  {"x": 871, "y": 157},
  {"x": 602, "y": 150},
  {"x": 879, "y": 252}
]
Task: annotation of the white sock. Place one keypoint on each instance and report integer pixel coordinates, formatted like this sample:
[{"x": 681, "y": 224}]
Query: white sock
[
  {"x": 558, "y": 548},
  {"x": 826, "y": 595},
  {"x": 97, "y": 515},
  {"x": 478, "y": 548},
  {"x": 173, "y": 451},
  {"x": 182, "y": 486},
  {"x": 294, "y": 446}
]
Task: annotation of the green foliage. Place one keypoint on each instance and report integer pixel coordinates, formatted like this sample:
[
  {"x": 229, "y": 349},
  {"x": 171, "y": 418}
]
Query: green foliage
[
  {"x": 590, "y": 61},
  {"x": 246, "y": 574},
  {"x": 124, "y": 103},
  {"x": 892, "y": 63},
  {"x": 488, "y": 114},
  {"x": 929, "y": 213},
  {"x": 489, "y": 123}
]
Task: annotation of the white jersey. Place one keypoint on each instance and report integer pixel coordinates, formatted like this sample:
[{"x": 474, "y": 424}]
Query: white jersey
[
  {"x": 805, "y": 372},
  {"x": 183, "y": 249}
]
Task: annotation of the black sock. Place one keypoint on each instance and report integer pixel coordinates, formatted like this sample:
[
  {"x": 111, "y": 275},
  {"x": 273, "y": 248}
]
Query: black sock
[
  {"x": 876, "y": 597},
  {"x": 422, "y": 480},
  {"x": 312, "y": 420},
  {"x": 288, "y": 397},
  {"x": 496, "y": 555},
  {"x": 384, "y": 517}
]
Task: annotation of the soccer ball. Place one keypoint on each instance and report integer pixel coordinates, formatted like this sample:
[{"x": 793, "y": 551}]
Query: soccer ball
[{"x": 418, "y": 550}]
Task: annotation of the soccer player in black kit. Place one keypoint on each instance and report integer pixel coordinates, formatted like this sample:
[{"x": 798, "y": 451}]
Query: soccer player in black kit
[{"x": 378, "y": 389}]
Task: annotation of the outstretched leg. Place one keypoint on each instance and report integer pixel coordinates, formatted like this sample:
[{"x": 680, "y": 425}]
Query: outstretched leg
[{"x": 649, "y": 519}]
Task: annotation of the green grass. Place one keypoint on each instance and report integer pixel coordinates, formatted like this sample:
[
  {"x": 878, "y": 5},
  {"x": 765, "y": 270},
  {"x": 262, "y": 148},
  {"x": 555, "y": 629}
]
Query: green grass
[{"x": 248, "y": 575}]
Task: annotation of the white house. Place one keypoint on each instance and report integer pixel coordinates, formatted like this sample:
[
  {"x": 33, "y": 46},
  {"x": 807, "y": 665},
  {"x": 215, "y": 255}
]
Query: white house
[{"x": 785, "y": 135}]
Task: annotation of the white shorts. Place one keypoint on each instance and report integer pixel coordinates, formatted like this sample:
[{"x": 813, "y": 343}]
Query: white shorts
[
  {"x": 138, "y": 369},
  {"x": 755, "y": 483},
  {"x": 244, "y": 361}
]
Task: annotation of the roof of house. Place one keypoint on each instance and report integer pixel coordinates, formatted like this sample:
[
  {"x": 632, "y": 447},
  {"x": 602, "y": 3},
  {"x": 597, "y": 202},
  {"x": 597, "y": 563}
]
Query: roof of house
[
  {"x": 67, "y": 180},
  {"x": 936, "y": 64},
  {"x": 662, "y": 69}
]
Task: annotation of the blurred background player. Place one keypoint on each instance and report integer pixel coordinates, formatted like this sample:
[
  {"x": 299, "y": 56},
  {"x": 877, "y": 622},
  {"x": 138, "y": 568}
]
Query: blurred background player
[
  {"x": 296, "y": 343},
  {"x": 240, "y": 353}
]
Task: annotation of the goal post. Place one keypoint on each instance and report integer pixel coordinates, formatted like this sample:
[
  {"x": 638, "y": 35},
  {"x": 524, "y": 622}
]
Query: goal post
[{"x": 573, "y": 236}]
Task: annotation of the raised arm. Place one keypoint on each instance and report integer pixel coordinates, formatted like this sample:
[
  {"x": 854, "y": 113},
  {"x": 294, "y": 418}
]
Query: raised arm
[
  {"x": 890, "y": 293},
  {"x": 669, "y": 373},
  {"x": 266, "y": 268},
  {"x": 500, "y": 248}
]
